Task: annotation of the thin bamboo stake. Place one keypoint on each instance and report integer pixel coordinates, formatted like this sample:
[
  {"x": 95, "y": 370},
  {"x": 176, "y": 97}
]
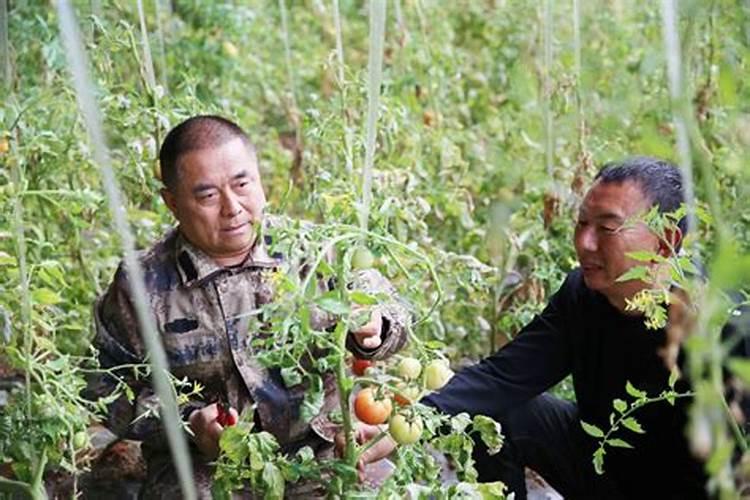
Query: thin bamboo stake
[
  {"x": 547, "y": 89},
  {"x": 577, "y": 39},
  {"x": 170, "y": 417},
  {"x": 4, "y": 44},
  {"x": 162, "y": 46},
  {"x": 148, "y": 62},
  {"x": 375, "y": 76},
  {"x": 288, "y": 54},
  {"x": 348, "y": 131},
  {"x": 674, "y": 74}
]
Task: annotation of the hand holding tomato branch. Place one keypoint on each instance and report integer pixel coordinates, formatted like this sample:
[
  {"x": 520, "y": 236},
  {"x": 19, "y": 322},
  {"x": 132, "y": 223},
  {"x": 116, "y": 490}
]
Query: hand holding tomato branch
[
  {"x": 207, "y": 427},
  {"x": 364, "y": 433},
  {"x": 368, "y": 336}
]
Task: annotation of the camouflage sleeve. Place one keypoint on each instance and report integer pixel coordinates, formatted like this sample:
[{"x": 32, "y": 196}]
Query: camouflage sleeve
[
  {"x": 396, "y": 317},
  {"x": 133, "y": 413}
]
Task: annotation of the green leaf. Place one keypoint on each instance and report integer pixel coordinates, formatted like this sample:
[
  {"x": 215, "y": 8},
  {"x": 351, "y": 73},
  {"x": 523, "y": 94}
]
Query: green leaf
[
  {"x": 291, "y": 376},
  {"x": 362, "y": 298},
  {"x": 232, "y": 442},
  {"x": 490, "y": 432},
  {"x": 274, "y": 482},
  {"x": 599, "y": 460},
  {"x": 313, "y": 401},
  {"x": 632, "y": 424},
  {"x": 332, "y": 305},
  {"x": 618, "y": 443},
  {"x": 645, "y": 256},
  {"x": 434, "y": 344},
  {"x": 460, "y": 422},
  {"x": 620, "y": 405},
  {"x": 45, "y": 297},
  {"x": 634, "y": 273},
  {"x": 592, "y": 430},
  {"x": 638, "y": 394},
  {"x": 741, "y": 368},
  {"x": 674, "y": 375},
  {"x": 7, "y": 260}
]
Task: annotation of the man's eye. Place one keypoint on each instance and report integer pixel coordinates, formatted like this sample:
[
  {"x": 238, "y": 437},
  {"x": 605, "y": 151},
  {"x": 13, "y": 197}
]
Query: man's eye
[
  {"x": 609, "y": 229},
  {"x": 207, "y": 197}
]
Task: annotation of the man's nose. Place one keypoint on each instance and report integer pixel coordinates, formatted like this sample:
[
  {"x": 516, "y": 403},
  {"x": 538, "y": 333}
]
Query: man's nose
[
  {"x": 587, "y": 239},
  {"x": 230, "y": 205}
]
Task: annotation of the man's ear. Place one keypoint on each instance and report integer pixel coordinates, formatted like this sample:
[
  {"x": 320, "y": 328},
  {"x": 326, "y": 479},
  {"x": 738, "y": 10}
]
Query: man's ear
[
  {"x": 670, "y": 242},
  {"x": 169, "y": 200}
]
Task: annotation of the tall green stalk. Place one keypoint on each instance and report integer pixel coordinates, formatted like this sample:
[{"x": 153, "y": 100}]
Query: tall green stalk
[{"x": 170, "y": 416}]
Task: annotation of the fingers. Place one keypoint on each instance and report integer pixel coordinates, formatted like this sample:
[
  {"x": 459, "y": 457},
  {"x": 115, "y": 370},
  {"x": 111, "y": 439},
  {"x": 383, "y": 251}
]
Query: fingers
[{"x": 368, "y": 335}]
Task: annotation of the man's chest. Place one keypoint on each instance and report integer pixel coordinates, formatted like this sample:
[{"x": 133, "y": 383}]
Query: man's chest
[{"x": 208, "y": 327}]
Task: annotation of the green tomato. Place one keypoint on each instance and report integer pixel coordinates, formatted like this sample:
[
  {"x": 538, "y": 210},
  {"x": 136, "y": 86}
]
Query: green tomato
[
  {"x": 362, "y": 258},
  {"x": 437, "y": 373},
  {"x": 409, "y": 368},
  {"x": 405, "y": 431},
  {"x": 80, "y": 439}
]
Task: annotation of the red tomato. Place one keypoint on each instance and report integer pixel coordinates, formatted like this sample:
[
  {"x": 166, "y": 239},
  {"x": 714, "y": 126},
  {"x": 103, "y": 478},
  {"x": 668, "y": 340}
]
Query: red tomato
[
  {"x": 359, "y": 366},
  {"x": 369, "y": 410},
  {"x": 225, "y": 417}
]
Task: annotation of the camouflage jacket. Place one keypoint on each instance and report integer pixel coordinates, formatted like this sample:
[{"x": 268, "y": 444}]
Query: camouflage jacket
[{"x": 201, "y": 312}]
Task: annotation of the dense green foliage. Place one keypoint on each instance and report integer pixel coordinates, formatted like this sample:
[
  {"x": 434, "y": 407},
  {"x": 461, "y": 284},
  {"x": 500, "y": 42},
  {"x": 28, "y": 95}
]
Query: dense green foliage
[{"x": 484, "y": 147}]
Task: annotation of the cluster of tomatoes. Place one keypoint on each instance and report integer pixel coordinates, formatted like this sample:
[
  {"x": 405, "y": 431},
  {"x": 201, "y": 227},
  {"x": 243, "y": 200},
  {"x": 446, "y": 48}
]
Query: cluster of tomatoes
[{"x": 375, "y": 405}]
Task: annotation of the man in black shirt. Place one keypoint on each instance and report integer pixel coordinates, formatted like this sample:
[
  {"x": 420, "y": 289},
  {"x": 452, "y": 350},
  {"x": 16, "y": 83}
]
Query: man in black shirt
[{"x": 585, "y": 331}]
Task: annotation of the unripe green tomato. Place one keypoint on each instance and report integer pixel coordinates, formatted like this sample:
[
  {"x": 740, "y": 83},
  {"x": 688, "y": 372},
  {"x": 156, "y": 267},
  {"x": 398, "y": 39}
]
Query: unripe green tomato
[
  {"x": 437, "y": 373},
  {"x": 362, "y": 259},
  {"x": 405, "y": 431},
  {"x": 409, "y": 368},
  {"x": 80, "y": 439}
]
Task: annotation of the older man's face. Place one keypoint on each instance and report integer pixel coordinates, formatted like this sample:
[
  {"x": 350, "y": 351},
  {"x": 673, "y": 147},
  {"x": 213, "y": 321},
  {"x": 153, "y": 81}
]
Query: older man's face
[
  {"x": 602, "y": 241},
  {"x": 217, "y": 200}
]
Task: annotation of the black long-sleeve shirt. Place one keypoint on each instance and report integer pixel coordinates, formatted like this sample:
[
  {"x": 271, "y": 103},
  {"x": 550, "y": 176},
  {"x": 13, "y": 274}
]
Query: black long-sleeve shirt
[{"x": 581, "y": 333}]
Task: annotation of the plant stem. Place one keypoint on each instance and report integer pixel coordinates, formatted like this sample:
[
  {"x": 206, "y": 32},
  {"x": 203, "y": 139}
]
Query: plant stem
[
  {"x": 20, "y": 237},
  {"x": 350, "y": 455}
]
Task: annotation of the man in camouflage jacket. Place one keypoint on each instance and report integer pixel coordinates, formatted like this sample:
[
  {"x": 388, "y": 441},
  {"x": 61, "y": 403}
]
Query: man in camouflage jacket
[{"x": 203, "y": 279}]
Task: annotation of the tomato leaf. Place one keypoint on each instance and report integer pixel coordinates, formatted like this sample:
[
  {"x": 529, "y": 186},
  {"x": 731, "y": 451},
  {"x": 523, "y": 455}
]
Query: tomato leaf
[
  {"x": 636, "y": 393},
  {"x": 618, "y": 443},
  {"x": 632, "y": 424},
  {"x": 592, "y": 430}
]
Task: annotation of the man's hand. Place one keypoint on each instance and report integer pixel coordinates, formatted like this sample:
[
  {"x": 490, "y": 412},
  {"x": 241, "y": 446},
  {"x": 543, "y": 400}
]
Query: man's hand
[
  {"x": 362, "y": 434},
  {"x": 207, "y": 429},
  {"x": 368, "y": 335}
]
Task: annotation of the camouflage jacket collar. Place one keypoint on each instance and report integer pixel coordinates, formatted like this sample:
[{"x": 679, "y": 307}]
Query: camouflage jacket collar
[{"x": 195, "y": 267}]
